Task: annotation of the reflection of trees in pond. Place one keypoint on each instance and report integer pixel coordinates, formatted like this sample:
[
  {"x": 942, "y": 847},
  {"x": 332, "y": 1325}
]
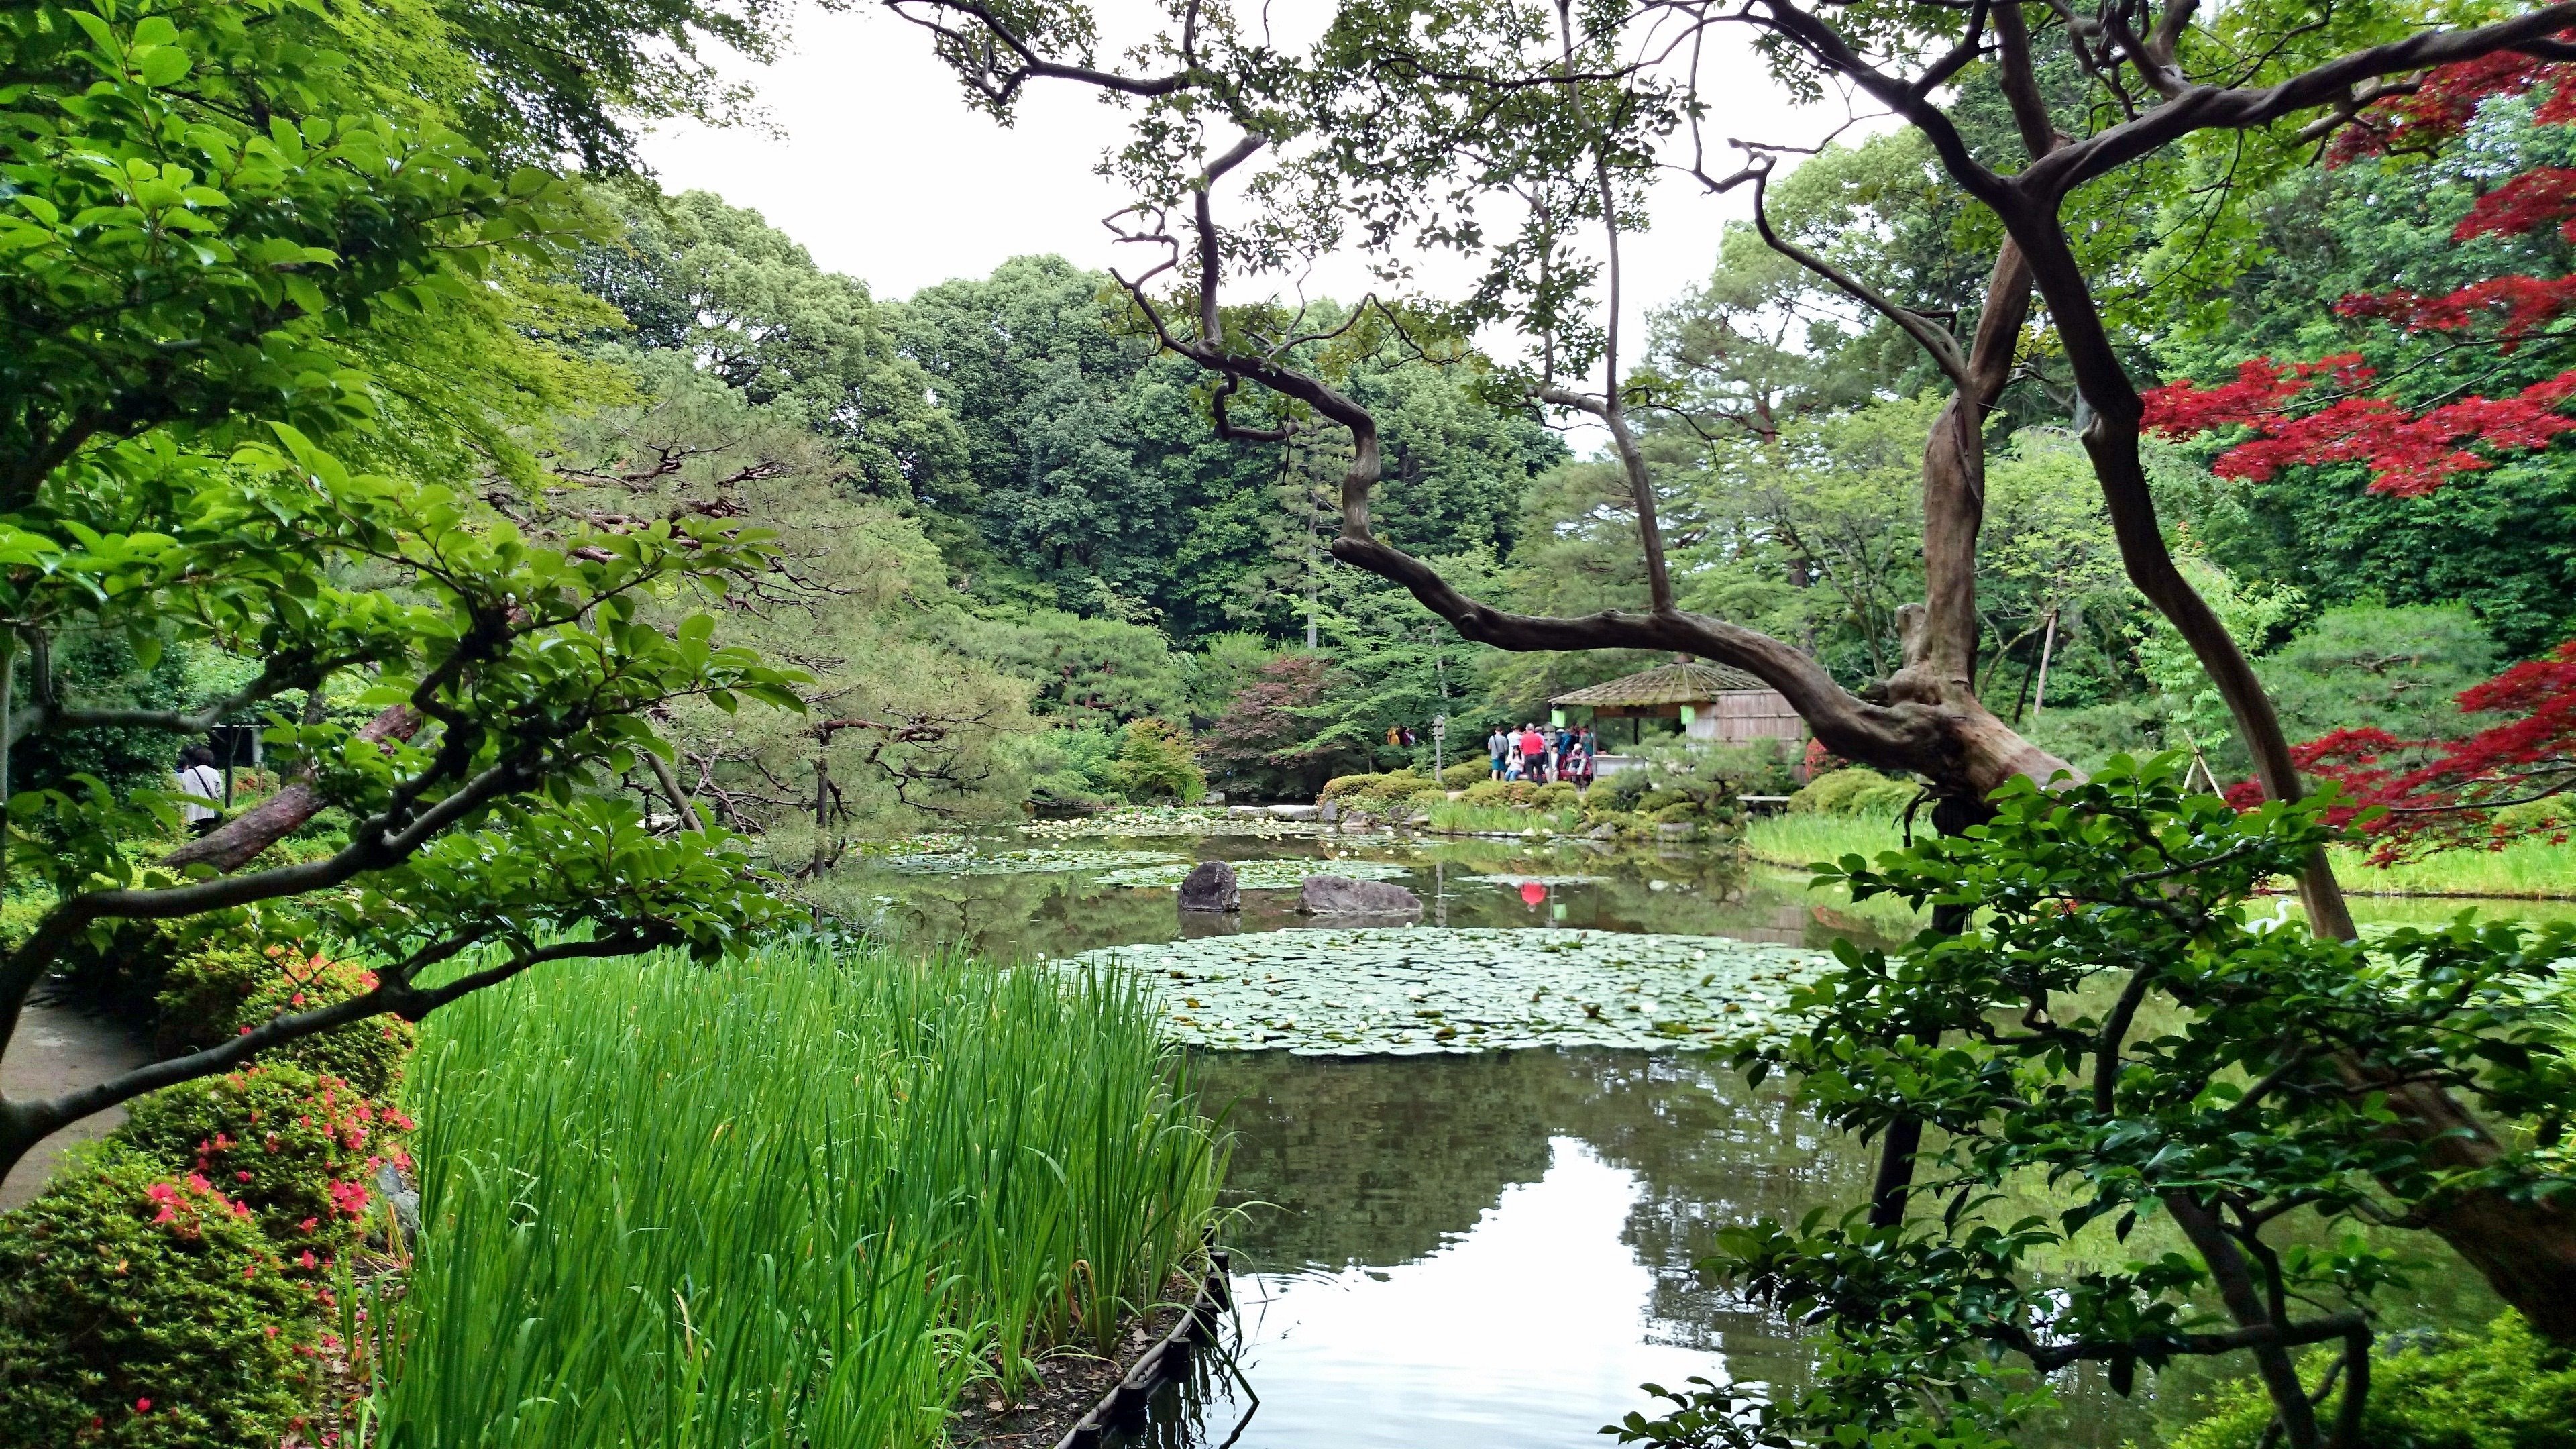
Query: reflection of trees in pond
[
  {"x": 1380, "y": 1161},
  {"x": 997, "y": 917}
]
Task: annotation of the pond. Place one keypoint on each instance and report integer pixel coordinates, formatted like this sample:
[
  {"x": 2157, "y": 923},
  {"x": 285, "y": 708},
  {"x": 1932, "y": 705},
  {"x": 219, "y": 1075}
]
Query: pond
[{"x": 1440, "y": 1243}]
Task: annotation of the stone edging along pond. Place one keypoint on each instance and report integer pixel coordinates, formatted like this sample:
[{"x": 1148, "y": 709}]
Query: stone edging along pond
[{"x": 1161, "y": 1364}]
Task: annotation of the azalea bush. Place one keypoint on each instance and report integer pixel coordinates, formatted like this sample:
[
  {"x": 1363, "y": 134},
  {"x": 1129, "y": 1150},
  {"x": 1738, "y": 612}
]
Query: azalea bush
[
  {"x": 228, "y": 986},
  {"x": 297, "y": 1148},
  {"x": 141, "y": 1310}
]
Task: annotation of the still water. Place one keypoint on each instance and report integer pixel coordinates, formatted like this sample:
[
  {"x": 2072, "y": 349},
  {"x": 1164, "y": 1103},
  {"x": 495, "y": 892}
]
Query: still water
[{"x": 1491, "y": 1251}]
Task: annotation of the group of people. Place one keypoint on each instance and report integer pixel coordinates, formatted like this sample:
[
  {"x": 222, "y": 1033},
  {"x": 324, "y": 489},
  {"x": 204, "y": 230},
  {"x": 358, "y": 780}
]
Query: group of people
[{"x": 1531, "y": 754}]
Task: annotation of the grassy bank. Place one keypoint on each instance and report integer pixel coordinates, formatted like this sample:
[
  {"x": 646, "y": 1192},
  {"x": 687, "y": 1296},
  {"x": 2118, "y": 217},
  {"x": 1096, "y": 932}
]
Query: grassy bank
[
  {"x": 1457, "y": 817},
  {"x": 1797, "y": 840},
  {"x": 800, "y": 1199},
  {"x": 2527, "y": 869}
]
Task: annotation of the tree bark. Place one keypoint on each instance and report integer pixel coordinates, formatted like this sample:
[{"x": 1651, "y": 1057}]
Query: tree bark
[{"x": 239, "y": 840}]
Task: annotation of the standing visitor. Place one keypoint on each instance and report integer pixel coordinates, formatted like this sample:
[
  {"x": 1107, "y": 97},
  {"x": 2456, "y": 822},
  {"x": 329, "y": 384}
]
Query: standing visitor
[
  {"x": 197, "y": 776},
  {"x": 1498, "y": 747},
  {"x": 1533, "y": 753}
]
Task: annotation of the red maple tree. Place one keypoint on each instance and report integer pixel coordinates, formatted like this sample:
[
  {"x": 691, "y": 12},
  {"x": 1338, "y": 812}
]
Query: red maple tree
[{"x": 2414, "y": 796}]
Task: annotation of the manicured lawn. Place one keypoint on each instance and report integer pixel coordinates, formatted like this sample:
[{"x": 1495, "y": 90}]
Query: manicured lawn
[
  {"x": 803, "y": 1199},
  {"x": 2528, "y": 869}
]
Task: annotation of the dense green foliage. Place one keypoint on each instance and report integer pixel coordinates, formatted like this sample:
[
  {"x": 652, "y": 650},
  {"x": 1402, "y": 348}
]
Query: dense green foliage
[
  {"x": 2505, "y": 1388},
  {"x": 138, "y": 1310},
  {"x": 803, "y": 1198},
  {"x": 2113, "y": 1018}
]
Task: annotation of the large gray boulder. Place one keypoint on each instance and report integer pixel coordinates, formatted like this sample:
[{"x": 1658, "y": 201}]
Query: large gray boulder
[
  {"x": 1335, "y": 895},
  {"x": 1211, "y": 887}
]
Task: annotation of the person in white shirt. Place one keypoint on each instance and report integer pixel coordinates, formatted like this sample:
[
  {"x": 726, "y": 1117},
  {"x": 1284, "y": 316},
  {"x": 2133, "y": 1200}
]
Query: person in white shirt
[{"x": 198, "y": 776}]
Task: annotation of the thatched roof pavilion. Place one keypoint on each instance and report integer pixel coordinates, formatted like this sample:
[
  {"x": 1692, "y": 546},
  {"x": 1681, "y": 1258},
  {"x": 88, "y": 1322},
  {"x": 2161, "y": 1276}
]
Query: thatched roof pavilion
[{"x": 1712, "y": 701}]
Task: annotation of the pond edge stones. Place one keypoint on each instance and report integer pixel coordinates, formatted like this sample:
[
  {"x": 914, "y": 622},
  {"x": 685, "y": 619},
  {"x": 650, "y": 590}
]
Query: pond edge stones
[
  {"x": 1211, "y": 887},
  {"x": 1339, "y": 895}
]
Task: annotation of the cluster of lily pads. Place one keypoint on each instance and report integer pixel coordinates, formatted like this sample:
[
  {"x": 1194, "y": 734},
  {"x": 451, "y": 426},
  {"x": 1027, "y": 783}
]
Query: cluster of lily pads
[
  {"x": 1399, "y": 990},
  {"x": 1026, "y": 862},
  {"x": 1152, "y": 820},
  {"x": 1259, "y": 875}
]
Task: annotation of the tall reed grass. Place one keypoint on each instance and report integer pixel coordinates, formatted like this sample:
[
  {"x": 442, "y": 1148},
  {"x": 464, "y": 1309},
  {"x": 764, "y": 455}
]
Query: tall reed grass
[
  {"x": 803, "y": 1199},
  {"x": 1798, "y": 839}
]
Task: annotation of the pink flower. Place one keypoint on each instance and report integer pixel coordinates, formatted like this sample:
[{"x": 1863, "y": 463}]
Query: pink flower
[
  {"x": 241, "y": 1177},
  {"x": 350, "y": 1198},
  {"x": 309, "y": 1224},
  {"x": 143, "y": 1406}
]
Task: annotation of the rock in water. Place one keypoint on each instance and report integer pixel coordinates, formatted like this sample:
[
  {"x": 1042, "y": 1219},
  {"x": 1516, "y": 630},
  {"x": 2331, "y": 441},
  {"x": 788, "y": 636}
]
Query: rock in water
[
  {"x": 1336, "y": 895},
  {"x": 1211, "y": 887}
]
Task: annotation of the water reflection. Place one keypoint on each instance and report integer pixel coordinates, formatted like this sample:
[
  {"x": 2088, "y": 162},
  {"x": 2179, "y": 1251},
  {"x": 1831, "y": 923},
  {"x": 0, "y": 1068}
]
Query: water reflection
[
  {"x": 1494, "y": 1250},
  {"x": 1486, "y": 884}
]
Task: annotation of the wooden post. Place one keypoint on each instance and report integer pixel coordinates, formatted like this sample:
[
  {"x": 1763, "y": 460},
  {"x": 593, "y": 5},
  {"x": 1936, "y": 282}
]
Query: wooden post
[{"x": 2047, "y": 645}]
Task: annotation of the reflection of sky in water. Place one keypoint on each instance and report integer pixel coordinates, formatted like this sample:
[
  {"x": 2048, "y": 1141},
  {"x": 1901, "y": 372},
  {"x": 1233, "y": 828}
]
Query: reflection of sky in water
[{"x": 1527, "y": 1329}]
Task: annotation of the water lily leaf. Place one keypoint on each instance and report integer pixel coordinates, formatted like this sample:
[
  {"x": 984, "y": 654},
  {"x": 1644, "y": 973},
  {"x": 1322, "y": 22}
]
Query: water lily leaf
[{"x": 1408, "y": 990}]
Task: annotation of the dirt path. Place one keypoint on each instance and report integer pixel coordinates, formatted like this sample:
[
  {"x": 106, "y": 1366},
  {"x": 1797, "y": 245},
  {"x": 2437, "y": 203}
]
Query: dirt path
[{"x": 57, "y": 1049}]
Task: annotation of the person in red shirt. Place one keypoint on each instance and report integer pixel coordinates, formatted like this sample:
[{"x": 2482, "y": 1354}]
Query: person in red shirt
[{"x": 1533, "y": 754}]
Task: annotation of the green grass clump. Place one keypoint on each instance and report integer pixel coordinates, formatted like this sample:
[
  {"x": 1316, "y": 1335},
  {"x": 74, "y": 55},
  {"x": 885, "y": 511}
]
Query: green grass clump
[
  {"x": 801, "y": 1199},
  {"x": 1798, "y": 840},
  {"x": 2530, "y": 868},
  {"x": 1458, "y": 817}
]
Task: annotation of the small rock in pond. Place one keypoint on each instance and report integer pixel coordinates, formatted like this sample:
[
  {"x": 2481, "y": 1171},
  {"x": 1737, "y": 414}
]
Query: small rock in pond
[
  {"x": 1211, "y": 887},
  {"x": 1335, "y": 895}
]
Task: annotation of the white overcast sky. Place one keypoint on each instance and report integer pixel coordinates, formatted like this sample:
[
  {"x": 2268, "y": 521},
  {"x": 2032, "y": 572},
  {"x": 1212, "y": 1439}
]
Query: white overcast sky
[{"x": 877, "y": 165}]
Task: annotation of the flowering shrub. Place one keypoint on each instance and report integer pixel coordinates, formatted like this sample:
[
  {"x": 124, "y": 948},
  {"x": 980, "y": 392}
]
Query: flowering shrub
[
  {"x": 295, "y": 1148},
  {"x": 139, "y": 1310},
  {"x": 222, "y": 990}
]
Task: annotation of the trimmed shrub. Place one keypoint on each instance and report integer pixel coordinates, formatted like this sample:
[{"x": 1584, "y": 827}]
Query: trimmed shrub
[
  {"x": 1855, "y": 791},
  {"x": 220, "y": 990},
  {"x": 138, "y": 1311},
  {"x": 1344, "y": 786},
  {"x": 1501, "y": 792},
  {"x": 1466, "y": 773},
  {"x": 2505, "y": 1389},
  {"x": 1554, "y": 795},
  {"x": 296, "y": 1148}
]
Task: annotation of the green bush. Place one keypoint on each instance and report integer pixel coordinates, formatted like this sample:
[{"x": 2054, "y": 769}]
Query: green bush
[
  {"x": 119, "y": 968},
  {"x": 1501, "y": 792},
  {"x": 1465, "y": 774},
  {"x": 1071, "y": 764},
  {"x": 294, "y": 1147},
  {"x": 1554, "y": 795},
  {"x": 2505, "y": 1389},
  {"x": 218, "y": 990},
  {"x": 1157, "y": 762},
  {"x": 1343, "y": 786},
  {"x": 1856, "y": 791},
  {"x": 137, "y": 1311}
]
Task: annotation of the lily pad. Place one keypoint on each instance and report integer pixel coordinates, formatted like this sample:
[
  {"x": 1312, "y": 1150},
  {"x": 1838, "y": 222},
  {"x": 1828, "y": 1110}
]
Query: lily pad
[
  {"x": 1023, "y": 862},
  {"x": 1152, "y": 820},
  {"x": 1400, "y": 989},
  {"x": 1260, "y": 875}
]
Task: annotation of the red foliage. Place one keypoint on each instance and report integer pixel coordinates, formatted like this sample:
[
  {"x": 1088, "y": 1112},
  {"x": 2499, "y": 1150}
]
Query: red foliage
[
  {"x": 2544, "y": 196},
  {"x": 2410, "y": 454},
  {"x": 2445, "y": 793},
  {"x": 2444, "y": 103},
  {"x": 2516, "y": 304}
]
